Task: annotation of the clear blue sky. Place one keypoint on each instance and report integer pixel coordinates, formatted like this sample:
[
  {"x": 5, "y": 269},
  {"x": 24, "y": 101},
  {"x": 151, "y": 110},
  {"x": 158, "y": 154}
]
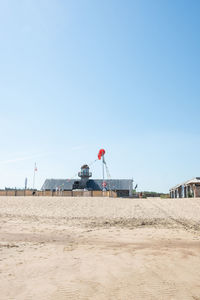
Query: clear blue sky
[{"x": 76, "y": 76}]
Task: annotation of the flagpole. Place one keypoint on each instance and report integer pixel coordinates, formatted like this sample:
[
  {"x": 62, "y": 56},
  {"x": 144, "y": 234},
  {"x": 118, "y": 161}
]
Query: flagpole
[
  {"x": 34, "y": 176},
  {"x": 103, "y": 172}
]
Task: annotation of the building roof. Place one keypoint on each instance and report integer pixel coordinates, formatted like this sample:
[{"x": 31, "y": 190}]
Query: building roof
[
  {"x": 191, "y": 181},
  {"x": 63, "y": 184},
  {"x": 94, "y": 184}
]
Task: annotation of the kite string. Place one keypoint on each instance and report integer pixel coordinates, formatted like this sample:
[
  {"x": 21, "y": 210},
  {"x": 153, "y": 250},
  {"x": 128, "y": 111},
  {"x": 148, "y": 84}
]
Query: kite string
[{"x": 91, "y": 163}]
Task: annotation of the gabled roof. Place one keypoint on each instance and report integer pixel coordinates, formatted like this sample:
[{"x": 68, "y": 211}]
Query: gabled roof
[
  {"x": 191, "y": 181},
  {"x": 113, "y": 184},
  {"x": 63, "y": 184},
  {"x": 94, "y": 184}
]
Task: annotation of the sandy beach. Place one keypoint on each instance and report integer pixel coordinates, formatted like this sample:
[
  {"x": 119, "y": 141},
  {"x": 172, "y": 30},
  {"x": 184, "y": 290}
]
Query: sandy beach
[{"x": 99, "y": 248}]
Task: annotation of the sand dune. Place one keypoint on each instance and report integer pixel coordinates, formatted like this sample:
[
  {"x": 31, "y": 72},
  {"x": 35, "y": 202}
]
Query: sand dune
[{"x": 99, "y": 248}]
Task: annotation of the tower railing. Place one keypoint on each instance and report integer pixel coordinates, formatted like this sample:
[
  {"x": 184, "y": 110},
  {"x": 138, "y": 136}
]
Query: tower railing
[{"x": 84, "y": 174}]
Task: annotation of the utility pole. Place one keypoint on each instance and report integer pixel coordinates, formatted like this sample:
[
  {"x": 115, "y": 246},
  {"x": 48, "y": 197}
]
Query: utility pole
[{"x": 26, "y": 180}]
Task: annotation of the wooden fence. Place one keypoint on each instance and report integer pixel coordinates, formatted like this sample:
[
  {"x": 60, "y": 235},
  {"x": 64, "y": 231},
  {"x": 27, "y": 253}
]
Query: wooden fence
[{"x": 58, "y": 193}]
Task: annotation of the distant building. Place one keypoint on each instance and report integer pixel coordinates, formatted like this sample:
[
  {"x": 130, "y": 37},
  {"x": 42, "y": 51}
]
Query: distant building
[
  {"x": 190, "y": 188},
  {"x": 123, "y": 187}
]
